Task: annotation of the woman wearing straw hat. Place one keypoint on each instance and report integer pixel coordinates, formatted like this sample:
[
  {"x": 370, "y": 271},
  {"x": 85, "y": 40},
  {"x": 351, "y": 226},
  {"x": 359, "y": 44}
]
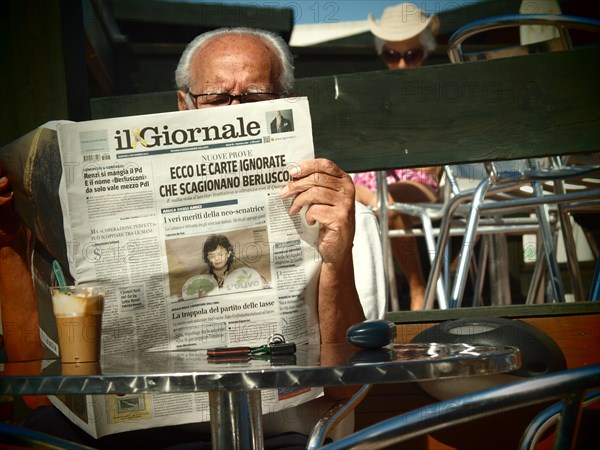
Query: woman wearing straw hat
[{"x": 404, "y": 36}]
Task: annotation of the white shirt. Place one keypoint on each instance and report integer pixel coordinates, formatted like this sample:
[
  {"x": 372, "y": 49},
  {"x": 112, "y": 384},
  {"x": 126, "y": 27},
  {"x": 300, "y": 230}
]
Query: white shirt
[{"x": 367, "y": 256}]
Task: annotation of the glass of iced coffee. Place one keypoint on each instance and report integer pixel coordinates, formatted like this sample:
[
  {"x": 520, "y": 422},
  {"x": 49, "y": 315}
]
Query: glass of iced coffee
[{"x": 78, "y": 312}]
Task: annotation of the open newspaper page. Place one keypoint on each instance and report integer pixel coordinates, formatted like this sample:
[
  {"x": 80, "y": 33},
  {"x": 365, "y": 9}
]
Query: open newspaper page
[{"x": 179, "y": 217}]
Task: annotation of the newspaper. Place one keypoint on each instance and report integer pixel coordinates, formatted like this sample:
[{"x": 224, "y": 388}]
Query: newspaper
[{"x": 141, "y": 196}]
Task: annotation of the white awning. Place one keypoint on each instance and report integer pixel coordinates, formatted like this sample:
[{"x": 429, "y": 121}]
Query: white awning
[{"x": 315, "y": 33}]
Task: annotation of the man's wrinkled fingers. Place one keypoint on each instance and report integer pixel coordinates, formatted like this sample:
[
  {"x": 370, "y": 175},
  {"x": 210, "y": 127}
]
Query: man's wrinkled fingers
[
  {"x": 313, "y": 166},
  {"x": 323, "y": 182},
  {"x": 326, "y": 215},
  {"x": 316, "y": 195}
]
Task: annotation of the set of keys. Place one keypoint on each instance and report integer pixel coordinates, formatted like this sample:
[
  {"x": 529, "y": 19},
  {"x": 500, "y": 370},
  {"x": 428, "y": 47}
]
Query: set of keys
[{"x": 277, "y": 350}]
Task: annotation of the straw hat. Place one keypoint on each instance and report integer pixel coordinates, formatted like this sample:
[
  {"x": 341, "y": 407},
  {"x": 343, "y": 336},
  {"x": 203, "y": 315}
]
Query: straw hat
[{"x": 402, "y": 22}]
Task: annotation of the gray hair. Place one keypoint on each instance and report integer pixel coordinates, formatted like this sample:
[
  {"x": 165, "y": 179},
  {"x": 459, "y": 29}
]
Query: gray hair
[
  {"x": 183, "y": 79},
  {"x": 425, "y": 37}
]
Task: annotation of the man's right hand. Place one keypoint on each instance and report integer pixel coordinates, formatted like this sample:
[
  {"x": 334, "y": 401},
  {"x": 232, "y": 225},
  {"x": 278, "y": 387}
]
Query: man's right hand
[{"x": 10, "y": 224}]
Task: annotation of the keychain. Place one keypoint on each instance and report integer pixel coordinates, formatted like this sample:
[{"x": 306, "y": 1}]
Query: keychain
[{"x": 276, "y": 346}]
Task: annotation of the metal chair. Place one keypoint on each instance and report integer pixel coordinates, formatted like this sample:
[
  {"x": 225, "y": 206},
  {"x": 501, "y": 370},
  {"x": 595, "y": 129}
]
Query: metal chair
[
  {"x": 454, "y": 210},
  {"x": 562, "y": 23},
  {"x": 333, "y": 417},
  {"x": 426, "y": 213},
  {"x": 496, "y": 181},
  {"x": 567, "y": 386},
  {"x": 548, "y": 418},
  {"x": 595, "y": 289}
]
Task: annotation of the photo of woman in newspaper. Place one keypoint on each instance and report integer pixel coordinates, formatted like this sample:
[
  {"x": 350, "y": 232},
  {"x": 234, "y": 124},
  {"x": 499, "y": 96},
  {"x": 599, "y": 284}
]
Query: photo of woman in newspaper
[{"x": 239, "y": 261}]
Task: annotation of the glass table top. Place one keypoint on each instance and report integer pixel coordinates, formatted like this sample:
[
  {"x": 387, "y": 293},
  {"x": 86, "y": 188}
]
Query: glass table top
[{"x": 310, "y": 366}]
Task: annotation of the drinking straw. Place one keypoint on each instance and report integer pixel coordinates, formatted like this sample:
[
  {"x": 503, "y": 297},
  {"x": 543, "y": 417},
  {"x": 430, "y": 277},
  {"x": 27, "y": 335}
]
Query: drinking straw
[{"x": 60, "y": 277}]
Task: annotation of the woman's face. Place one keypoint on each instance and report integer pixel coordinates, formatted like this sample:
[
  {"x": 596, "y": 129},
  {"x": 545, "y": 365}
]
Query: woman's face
[
  {"x": 218, "y": 258},
  {"x": 403, "y": 54}
]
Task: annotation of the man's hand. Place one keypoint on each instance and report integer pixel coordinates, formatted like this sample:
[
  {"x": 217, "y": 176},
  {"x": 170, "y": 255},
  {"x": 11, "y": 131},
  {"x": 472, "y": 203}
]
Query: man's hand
[
  {"x": 10, "y": 224},
  {"x": 5, "y": 190},
  {"x": 328, "y": 192}
]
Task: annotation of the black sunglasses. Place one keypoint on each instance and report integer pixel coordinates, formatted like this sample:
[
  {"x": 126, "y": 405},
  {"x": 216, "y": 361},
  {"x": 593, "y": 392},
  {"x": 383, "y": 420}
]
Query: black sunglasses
[{"x": 411, "y": 57}]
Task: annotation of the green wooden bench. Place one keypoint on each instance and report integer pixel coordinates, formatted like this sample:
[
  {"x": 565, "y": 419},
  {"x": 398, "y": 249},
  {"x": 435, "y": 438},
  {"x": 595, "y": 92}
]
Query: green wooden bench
[
  {"x": 503, "y": 109},
  {"x": 511, "y": 108}
]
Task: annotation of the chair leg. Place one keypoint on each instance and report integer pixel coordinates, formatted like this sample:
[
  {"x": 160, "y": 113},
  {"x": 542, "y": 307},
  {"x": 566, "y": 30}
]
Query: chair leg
[
  {"x": 430, "y": 242},
  {"x": 537, "y": 278},
  {"x": 441, "y": 255},
  {"x": 566, "y": 228},
  {"x": 333, "y": 417},
  {"x": 568, "y": 423},
  {"x": 480, "y": 274},
  {"x": 499, "y": 276},
  {"x": 382, "y": 207},
  {"x": 547, "y": 418},
  {"x": 543, "y": 216},
  {"x": 392, "y": 286},
  {"x": 595, "y": 289},
  {"x": 406, "y": 254},
  {"x": 466, "y": 252}
]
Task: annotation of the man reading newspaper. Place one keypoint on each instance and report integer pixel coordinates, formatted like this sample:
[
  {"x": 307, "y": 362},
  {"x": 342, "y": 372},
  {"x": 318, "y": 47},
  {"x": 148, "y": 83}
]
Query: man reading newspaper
[{"x": 231, "y": 66}]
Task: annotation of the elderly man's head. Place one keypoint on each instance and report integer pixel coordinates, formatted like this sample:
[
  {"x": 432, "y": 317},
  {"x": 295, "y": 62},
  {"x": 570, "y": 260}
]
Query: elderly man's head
[
  {"x": 236, "y": 65},
  {"x": 404, "y": 35}
]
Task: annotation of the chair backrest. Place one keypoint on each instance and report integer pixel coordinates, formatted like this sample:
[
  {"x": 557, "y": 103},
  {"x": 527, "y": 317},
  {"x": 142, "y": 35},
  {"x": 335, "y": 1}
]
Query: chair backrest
[
  {"x": 568, "y": 386},
  {"x": 562, "y": 23},
  {"x": 563, "y": 28}
]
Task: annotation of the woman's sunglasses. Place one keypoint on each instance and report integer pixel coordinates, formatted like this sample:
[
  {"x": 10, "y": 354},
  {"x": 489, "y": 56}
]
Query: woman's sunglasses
[{"x": 411, "y": 57}]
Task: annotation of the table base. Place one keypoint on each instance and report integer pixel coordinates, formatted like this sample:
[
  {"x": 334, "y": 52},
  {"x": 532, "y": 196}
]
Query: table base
[{"x": 236, "y": 420}]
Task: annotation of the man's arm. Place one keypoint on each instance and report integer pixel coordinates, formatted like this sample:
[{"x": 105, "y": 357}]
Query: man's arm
[
  {"x": 328, "y": 192},
  {"x": 17, "y": 298}
]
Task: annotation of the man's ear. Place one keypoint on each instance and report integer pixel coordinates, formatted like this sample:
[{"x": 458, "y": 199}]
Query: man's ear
[{"x": 181, "y": 101}]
